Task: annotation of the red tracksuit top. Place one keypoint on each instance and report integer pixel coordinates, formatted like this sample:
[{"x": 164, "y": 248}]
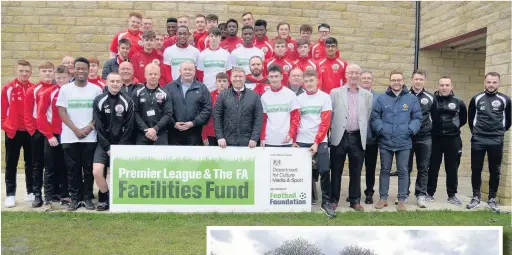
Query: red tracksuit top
[
  {"x": 265, "y": 46},
  {"x": 97, "y": 81},
  {"x": 32, "y": 98},
  {"x": 291, "y": 48},
  {"x": 208, "y": 129},
  {"x": 199, "y": 35},
  {"x": 331, "y": 74},
  {"x": 318, "y": 51},
  {"x": 231, "y": 43},
  {"x": 141, "y": 59},
  {"x": 306, "y": 63},
  {"x": 203, "y": 43},
  {"x": 134, "y": 38},
  {"x": 13, "y": 104},
  {"x": 285, "y": 64},
  {"x": 168, "y": 41},
  {"x": 49, "y": 122}
]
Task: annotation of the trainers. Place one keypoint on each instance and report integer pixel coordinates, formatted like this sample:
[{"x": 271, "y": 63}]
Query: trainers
[
  {"x": 30, "y": 197},
  {"x": 357, "y": 207},
  {"x": 491, "y": 204},
  {"x": 38, "y": 202},
  {"x": 368, "y": 200},
  {"x": 89, "y": 205},
  {"x": 10, "y": 201},
  {"x": 429, "y": 198},
  {"x": 327, "y": 208},
  {"x": 47, "y": 206},
  {"x": 381, "y": 204},
  {"x": 65, "y": 201},
  {"x": 421, "y": 202},
  {"x": 454, "y": 201},
  {"x": 474, "y": 203},
  {"x": 102, "y": 206},
  {"x": 405, "y": 202},
  {"x": 401, "y": 207},
  {"x": 74, "y": 205}
]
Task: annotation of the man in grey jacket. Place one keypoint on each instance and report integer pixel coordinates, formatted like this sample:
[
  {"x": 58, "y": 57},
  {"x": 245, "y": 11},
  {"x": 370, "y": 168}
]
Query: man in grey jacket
[
  {"x": 112, "y": 65},
  {"x": 238, "y": 114}
]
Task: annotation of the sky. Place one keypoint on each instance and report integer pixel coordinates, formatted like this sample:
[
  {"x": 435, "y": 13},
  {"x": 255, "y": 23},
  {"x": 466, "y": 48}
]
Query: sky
[{"x": 384, "y": 241}]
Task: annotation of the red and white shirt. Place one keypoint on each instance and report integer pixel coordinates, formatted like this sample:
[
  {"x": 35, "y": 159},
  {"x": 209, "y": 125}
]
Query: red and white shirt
[
  {"x": 13, "y": 104},
  {"x": 231, "y": 43},
  {"x": 141, "y": 59},
  {"x": 135, "y": 39},
  {"x": 318, "y": 51},
  {"x": 285, "y": 64},
  {"x": 291, "y": 48},
  {"x": 175, "y": 55},
  {"x": 331, "y": 73},
  {"x": 212, "y": 62},
  {"x": 251, "y": 82},
  {"x": 169, "y": 41},
  {"x": 203, "y": 43},
  {"x": 280, "y": 116},
  {"x": 240, "y": 57},
  {"x": 199, "y": 35},
  {"x": 208, "y": 129},
  {"x": 97, "y": 81},
  {"x": 32, "y": 98},
  {"x": 265, "y": 46},
  {"x": 306, "y": 63},
  {"x": 49, "y": 122},
  {"x": 315, "y": 117}
]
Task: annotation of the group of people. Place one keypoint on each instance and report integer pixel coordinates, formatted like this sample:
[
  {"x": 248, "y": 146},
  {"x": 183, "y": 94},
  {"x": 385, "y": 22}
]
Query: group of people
[{"x": 242, "y": 91}]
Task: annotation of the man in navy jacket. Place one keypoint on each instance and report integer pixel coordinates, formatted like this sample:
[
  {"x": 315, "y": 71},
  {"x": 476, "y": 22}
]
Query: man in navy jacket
[{"x": 396, "y": 117}]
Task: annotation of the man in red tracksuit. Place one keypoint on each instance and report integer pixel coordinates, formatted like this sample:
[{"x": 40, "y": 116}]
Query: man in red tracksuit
[
  {"x": 201, "y": 30},
  {"x": 232, "y": 41},
  {"x": 93, "y": 77},
  {"x": 318, "y": 50},
  {"x": 49, "y": 124},
  {"x": 283, "y": 32},
  {"x": 280, "y": 59},
  {"x": 331, "y": 69},
  {"x": 16, "y": 135},
  {"x": 261, "y": 40},
  {"x": 148, "y": 55},
  {"x": 208, "y": 133},
  {"x": 32, "y": 98},
  {"x": 133, "y": 33},
  {"x": 203, "y": 43},
  {"x": 256, "y": 80},
  {"x": 304, "y": 62}
]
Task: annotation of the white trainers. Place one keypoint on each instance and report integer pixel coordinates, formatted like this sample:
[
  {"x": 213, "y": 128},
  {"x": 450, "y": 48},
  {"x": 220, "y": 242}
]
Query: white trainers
[
  {"x": 30, "y": 197},
  {"x": 421, "y": 202},
  {"x": 10, "y": 201}
]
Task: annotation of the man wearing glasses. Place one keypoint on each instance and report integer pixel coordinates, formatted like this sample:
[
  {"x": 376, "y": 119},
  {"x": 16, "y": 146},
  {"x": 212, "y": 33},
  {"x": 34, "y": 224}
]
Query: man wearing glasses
[
  {"x": 318, "y": 50},
  {"x": 396, "y": 117}
]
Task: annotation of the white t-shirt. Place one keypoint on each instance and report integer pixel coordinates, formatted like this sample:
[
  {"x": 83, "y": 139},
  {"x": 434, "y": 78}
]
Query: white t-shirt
[
  {"x": 212, "y": 63},
  {"x": 311, "y": 108},
  {"x": 78, "y": 103},
  {"x": 277, "y": 106},
  {"x": 174, "y": 56},
  {"x": 240, "y": 57}
]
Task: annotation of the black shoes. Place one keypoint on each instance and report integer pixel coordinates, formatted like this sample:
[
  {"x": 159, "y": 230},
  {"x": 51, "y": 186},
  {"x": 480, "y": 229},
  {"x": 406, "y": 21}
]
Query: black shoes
[
  {"x": 38, "y": 202},
  {"x": 89, "y": 205},
  {"x": 368, "y": 200},
  {"x": 74, "y": 205}
]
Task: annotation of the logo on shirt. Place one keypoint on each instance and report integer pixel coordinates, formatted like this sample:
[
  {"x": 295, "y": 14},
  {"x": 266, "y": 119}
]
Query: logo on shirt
[
  {"x": 156, "y": 61},
  {"x": 238, "y": 45},
  {"x": 424, "y": 101},
  {"x": 482, "y": 107},
  {"x": 405, "y": 107},
  {"x": 290, "y": 46},
  {"x": 264, "y": 49},
  {"x": 107, "y": 110},
  {"x": 451, "y": 106},
  {"x": 286, "y": 67},
  {"x": 310, "y": 68},
  {"x": 142, "y": 100},
  {"x": 119, "y": 109},
  {"x": 159, "y": 97},
  {"x": 140, "y": 42},
  {"x": 335, "y": 67},
  {"x": 496, "y": 103}
]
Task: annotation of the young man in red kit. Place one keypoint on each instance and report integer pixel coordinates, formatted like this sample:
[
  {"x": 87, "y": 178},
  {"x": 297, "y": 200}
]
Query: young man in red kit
[
  {"x": 304, "y": 62},
  {"x": 203, "y": 43},
  {"x": 172, "y": 28},
  {"x": 283, "y": 32},
  {"x": 247, "y": 19},
  {"x": 318, "y": 50},
  {"x": 147, "y": 24},
  {"x": 159, "y": 42},
  {"x": 331, "y": 69},
  {"x": 49, "y": 124},
  {"x": 112, "y": 65},
  {"x": 256, "y": 80},
  {"x": 133, "y": 33},
  {"x": 32, "y": 98},
  {"x": 93, "y": 77},
  {"x": 148, "y": 55},
  {"x": 280, "y": 59},
  {"x": 16, "y": 135},
  {"x": 201, "y": 31},
  {"x": 181, "y": 52},
  {"x": 232, "y": 41},
  {"x": 281, "y": 114},
  {"x": 241, "y": 55},
  {"x": 208, "y": 134},
  {"x": 261, "y": 40},
  {"x": 212, "y": 61},
  {"x": 305, "y": 32},
  {"x": 223, "y": 31}
]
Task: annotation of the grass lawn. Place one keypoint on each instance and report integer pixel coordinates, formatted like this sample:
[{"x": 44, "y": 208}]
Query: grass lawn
[{"x": 94, "y": 233}]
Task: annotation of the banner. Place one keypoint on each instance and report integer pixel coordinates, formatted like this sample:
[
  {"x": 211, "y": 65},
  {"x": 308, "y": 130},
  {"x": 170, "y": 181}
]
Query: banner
[{"x": 209, "y": 179}]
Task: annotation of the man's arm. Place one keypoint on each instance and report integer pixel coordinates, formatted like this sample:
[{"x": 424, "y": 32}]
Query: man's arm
[
  {"x": 415, "y": 123},
  {"x": 258, "y": 120},
  {"x": 43, "y": 125},
  {"x": 507, "y": 114},
  {"x": 68, "y": 122},
  {"x": 206, "y": 111},
  {"x": 5, "y": 105},
  {"x": 376, "y": 117},
  {"x": 471, "y": 114},
  {"x": 28, "y": 111},
  {"x": 463, "y": 114},
  {"x": 218, "y": 116},
  {"x": 107, "y": 68}
]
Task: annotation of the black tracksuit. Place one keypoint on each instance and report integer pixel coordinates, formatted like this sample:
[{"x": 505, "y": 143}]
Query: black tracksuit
[
  {"x": 451, "y": 116},
  {"x": 12, "y": 154},
  {"x": 153, "y": 109},
  {"x": 489, "y": 119},
  {"x": 194, "y": 106}
]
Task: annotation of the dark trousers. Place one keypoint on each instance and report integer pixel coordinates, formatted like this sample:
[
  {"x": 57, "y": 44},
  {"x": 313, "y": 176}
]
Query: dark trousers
[
  {"x": 322, "y": 161},
  {"x": 191, "y": 137},
  {"x": 78, "y": 158},
  {"x": 212, "y": 141},
  {"x": 12, "y": 155},
  {"x": 55, "y": 174},
  {"x": 350, "y": 144},
  {"x": 493, "y": 146},
  {"x": 161, "y": 139},
  {"x": 370, "y": 162},
  {"x": 422, "y": 149},
  {"x": 37, "y": 145},
  {"x": 449, "y": 146}
]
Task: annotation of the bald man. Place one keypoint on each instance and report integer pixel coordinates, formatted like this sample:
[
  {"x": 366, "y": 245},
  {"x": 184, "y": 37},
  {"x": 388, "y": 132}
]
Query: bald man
[
  {"x": 192, "y": 106},
  {"x": 153, "y": 109}
]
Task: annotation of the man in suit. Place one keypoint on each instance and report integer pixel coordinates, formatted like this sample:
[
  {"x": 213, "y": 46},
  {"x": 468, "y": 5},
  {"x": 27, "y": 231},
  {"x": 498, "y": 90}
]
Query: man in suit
[{"x": 352, "y": 107}]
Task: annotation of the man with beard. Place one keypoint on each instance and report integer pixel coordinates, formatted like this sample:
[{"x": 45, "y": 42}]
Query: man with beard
[
  {"x": 133, "y": 33},
  {"x": 240, "y": 56},
  {"x": 256, "y": 80},
  {"x": 213, "y": 60},
  {"x": 238, "y": 114},
  {"x": 232, "y": 40},
  {"x": 181, "y": 52},
  {"x": 489, "y": 119},
  {"x": 112, "y": 64},
  {"x": 261, "y": 40}
]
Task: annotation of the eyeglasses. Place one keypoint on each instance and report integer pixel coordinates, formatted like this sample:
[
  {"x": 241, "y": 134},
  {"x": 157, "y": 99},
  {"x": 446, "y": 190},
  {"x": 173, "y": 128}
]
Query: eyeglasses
[{"x": 394, "y": 81}]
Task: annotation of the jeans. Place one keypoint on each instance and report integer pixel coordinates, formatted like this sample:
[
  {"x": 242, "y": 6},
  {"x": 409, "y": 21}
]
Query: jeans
[
  {"x": 386, "y": 160},
  {"x": 422, "y": 149}
]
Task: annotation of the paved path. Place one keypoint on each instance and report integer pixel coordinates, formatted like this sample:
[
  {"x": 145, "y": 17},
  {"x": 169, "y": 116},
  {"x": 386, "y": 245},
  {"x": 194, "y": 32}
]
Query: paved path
[{"x": 439, "y": 203}]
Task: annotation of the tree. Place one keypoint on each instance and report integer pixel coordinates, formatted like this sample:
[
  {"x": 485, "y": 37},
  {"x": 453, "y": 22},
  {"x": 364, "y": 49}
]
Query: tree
[
  {"x": 356, "y": 250},
  {"x": 297, "y": 246}
]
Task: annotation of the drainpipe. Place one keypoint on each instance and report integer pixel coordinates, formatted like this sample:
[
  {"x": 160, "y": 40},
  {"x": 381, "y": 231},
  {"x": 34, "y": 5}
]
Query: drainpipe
[{"x": 417, "y": 36}]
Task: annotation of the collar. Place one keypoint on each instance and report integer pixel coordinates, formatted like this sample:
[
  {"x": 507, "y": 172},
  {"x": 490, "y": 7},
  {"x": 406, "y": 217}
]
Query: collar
[
  {"x": 288, "y": 39},
  {"x": 262, "y": 40},
  {"x": 311, "y": 93},
  {"x": 250, "y": 77},
  {"x": 320, "y": 42},
  {"x": 45, "y": 83},
  {"x": 139, "y": 32},
  {"x": 351, "y": 89},
  {"x": 252, "y": 46},
  {"x": 306, "y": 58},
  {"x": 232, "y": 38},
  {"x": 414, "y": 92},
  {"x": 147, "y": 54},
  {"x": 276, "y": 90},
  {"x": 112, "y": 95},
  {"x": 491, "y": 93},
  {"x": 93, "y": 80},
  {"x": 21, "y": 83},
  {"x": 120, "y": 59},
  {"x": 279, "y": 57},
  {"x": 241, "y": 90},
  {"x": 183, "y": 83},
  {"x": 183, "y": 47}
]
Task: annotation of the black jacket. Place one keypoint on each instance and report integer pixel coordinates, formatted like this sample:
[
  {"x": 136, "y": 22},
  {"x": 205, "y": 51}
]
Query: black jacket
[
  {"x": 195, "y": 106},
  {"x": 113, "y": 119},
  {"x": 152, "y": 109},
  {"x": 489, "y": 114},
  {"x": 238, "y": 120},
  {"x": 110, "y": 65},
  {"x": 451, "y": 114},
  {"x": 427, "y": 104}
]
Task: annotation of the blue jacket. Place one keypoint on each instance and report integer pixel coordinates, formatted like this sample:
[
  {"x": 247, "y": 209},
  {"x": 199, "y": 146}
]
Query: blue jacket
[
  {"x": 371, "y": 137},
  {"x": 396, "y": 119}
]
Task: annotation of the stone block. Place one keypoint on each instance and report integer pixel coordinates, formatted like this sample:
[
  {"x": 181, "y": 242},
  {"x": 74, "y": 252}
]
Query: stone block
[
  {"x": 302, "y": 5},
  {"x": 68, "y": 47},
  {"x": 356, "y": 8},
  {"x": 42, "y": 46},
  {"x": 85, "y": 4},
  {"x": 309, "y": 13},
  {"x": 11, "y": 28},
  {"x": 59, "y": 4},
  {"x": 500, "y": 58},
  {"x": 215, "y": 8},
  {"x": 349, "y": 15},
  {"x": 190, "y": 8},
  {"x": 15, "y": 46},
  {"x": 390, "y": 18},
  {"x": 113, "y": 22},
  {"x": 34, "y": 4},
  {"x": 367, "y": 17},
  {"x": 100, "y": 47},
  {"x": 285, "y": 11},
  {"x": 18, "y": 11},
  {"x": 102, "y": 13},
  {"x": 329, "y": 14},
  {"x": 51, "y": 20},
  {"x": 504, "y": 68},
  {"x": 333, "y": 6},
  {"x": 51, "y": 38},
  {"x": 95, "y": 21},
  {"x": 28, "y": 20},
  {"x": 47, "y": 11},
  {"x": 499, "y": 37},
  {"x": 120, "y": 5}
]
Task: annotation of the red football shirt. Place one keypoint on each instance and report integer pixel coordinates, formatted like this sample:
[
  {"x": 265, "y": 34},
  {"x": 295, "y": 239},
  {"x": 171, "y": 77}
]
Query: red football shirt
[{"x": 135, "y": 39}]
